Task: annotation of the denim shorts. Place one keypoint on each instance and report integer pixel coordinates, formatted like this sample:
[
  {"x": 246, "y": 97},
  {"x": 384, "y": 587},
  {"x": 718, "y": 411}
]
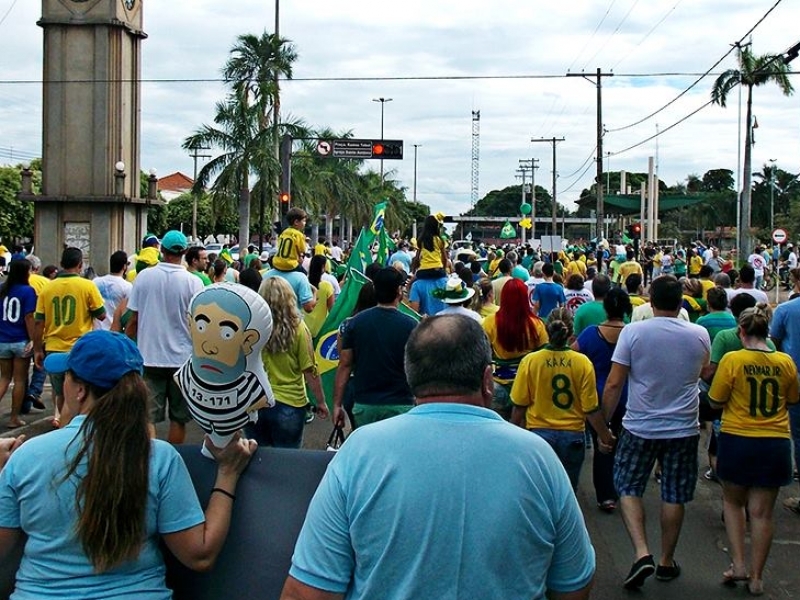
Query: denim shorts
[
  {"x": 636, "y": 456},
  {"x": 9, "y": 350}
]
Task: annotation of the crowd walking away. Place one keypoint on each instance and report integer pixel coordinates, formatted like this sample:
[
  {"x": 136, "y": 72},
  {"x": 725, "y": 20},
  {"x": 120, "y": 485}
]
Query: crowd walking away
[{"x": 466, "y": 363}]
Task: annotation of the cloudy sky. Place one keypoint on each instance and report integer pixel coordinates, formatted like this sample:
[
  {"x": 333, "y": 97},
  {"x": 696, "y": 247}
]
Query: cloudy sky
[{"x": 441, "y": 59}]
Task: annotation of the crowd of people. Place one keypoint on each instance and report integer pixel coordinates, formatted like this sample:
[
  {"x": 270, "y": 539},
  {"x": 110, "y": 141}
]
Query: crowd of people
[{"x": 565, "y": 347}]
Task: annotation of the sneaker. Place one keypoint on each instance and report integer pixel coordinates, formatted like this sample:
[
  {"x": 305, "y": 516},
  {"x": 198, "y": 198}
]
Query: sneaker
[
  {"x": 710, "y": 475},
  {"x": 607, "y": 506},
  {"x": 641, "y": 570},
  {"x": 31, "y": 404},
  {"x": 792, "y": 504},
  {"x": 796, "y": 476},
  {"x": 668, "y": 573},
  {"x": 309, "y": 414}
]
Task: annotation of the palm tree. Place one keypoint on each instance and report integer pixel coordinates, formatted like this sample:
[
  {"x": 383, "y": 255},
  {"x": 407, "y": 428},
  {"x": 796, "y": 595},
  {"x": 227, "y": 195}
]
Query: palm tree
[
  {"x": 753, "y": 71},
  {"x": 253, "y": 69}
]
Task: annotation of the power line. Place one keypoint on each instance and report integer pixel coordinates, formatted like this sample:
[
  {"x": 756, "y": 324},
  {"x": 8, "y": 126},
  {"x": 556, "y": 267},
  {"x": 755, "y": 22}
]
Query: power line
[
  {"x": 613, "y": 33},
  {"x": 8, "y": 12},
  {"x": 649, "y": 33},
  {"x": 663, "y": 131},
  {"x": 703, "y": 76},
  {"x": 579, "y": 178},
  {"x": 588, "y": 158},
  {"x": 397, "y": 78},
  {"x": 591, "y": 37}
]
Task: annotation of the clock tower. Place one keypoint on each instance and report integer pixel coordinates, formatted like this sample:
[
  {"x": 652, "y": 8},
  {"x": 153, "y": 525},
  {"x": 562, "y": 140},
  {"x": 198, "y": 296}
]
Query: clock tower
[{"x": 91, "y": 130}]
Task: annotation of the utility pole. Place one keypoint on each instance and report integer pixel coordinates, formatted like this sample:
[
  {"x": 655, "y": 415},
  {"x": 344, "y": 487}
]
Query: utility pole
[
  {"x": 532, "y": 164},
  {"x": 276, "y": 147},
  {"x": 383, "y": 102},
  {"x": 195, "y": 155},
  {"x": 554, "y": 141},
  {"x": 414, "y": 225},
  {"x": 523, "y": 170},
  {"x": 599, "y": 178}
]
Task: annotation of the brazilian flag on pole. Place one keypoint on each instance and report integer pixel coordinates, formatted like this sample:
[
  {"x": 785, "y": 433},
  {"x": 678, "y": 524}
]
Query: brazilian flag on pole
[
  {"x": 508, "y": 231},
  {"x": 361, "y": 254},
  {"x": 325, "y": 344}
]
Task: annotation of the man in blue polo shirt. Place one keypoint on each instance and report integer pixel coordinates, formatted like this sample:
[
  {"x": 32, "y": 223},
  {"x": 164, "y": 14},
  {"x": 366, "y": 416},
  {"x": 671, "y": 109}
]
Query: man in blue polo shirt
[{"x": 411, "y": 507}]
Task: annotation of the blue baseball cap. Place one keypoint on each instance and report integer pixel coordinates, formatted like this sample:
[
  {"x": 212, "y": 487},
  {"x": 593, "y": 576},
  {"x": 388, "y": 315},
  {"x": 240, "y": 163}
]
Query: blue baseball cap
[
  {"x": 174, "y": 241},
  {"x": 99, "y": 357}
]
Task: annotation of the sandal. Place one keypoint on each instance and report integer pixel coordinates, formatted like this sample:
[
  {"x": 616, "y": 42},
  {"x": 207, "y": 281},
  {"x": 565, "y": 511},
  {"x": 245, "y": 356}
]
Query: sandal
[
  {"x": 55, "y": 422},
  {"x": 15, "y": 424},
  {"x": 755, "y": 587},
  {"x": 730, "y": 578}
]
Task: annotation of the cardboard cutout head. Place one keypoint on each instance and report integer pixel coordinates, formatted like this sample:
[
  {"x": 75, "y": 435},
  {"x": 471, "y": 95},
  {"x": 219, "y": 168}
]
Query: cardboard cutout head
[{"x": 224, "y": 382}]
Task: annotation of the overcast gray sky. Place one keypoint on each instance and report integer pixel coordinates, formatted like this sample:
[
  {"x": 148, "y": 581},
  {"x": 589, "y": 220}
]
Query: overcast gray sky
[{"x": 640, "y": 40}]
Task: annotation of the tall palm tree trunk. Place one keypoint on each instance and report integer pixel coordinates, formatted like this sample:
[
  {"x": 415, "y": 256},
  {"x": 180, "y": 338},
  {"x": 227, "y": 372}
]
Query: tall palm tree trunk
[
  {"x": 747, "y": 198},
  {"x": 244, "y": 217}
]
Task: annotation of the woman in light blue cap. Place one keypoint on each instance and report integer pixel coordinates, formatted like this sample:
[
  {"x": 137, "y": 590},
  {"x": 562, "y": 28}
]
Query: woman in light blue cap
[{"x": 95, "y": 497}]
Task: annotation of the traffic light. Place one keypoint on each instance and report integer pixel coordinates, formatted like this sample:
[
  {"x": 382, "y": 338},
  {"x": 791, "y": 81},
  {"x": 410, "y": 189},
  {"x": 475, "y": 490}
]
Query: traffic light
[
  {"x": 387, "y": 149},
  {"x": 285, "y": 197},
  {"x": 635, "y": 231}
]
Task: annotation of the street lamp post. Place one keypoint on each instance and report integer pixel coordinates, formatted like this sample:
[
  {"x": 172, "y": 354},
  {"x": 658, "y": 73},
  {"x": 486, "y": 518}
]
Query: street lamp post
[
  {"x": 772, "y": 194},
  {"x": 383, "y": 102},
  {"x": 414, "y": 225}
]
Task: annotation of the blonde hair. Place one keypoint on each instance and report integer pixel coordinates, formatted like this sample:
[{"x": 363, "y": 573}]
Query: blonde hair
[
  {"x": 754, "y": 321},
  {"x": 286, "y": 317}
]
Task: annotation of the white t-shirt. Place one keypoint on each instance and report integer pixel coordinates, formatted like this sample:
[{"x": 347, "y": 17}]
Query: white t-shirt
[
  {"x": 161, "y": 296},
  {"x": 791, "y": 261},
  {"x": 663, "y": 396},
  {"x": 460, "y": 310},
  {"x": 336, "y": 253},
  {"x": 759, "y": 295},
  {"x": 532, "y": 283},
  {"x": 577, "y": 297},
  {"x": 757, "y": 262},
  {"x": 114, "y": 289},
  {"x": 334, "y": 283},
  {"x": 645, "y": 311}
]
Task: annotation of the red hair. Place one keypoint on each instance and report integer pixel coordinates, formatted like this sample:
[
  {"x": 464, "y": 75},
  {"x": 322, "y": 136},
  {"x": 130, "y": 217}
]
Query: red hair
[{"x": 516, "y": 331}]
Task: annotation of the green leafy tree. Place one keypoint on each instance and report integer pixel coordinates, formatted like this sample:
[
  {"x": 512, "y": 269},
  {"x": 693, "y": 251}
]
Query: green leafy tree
[
  {"x": 16, "y": 216},
  {"x": 753, "y": 71}
]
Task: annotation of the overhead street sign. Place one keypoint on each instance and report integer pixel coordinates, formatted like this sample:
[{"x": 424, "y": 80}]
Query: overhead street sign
[
  {"x": 779, "y": 236},
  {"x": 324, "y": 148},
  {"x": 361, "y": 149}
]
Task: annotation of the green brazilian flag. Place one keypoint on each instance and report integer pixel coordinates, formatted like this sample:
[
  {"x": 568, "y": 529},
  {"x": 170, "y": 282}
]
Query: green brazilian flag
[
  {"x": 361, "y": 253},
  {"x": 508, "y": 231},
  {"x": 325, "y": 344}
]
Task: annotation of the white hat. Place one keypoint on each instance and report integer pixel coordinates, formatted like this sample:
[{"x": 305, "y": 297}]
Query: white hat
[
  {"x": 455, "y": 291},
  {"x": 264, "y": 256}
]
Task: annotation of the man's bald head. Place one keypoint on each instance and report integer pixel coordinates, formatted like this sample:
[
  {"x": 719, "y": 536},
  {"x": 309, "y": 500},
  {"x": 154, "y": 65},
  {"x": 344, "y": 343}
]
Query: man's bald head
[{"x": 447, "y": 356}]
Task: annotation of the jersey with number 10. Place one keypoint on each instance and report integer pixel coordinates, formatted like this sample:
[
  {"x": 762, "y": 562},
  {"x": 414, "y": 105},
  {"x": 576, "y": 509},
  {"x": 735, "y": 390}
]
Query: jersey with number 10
[
  {"x": 67, "y": 306},
  {"x": 558, "y": 389},
  {"x": 291, "y": 245},
  {"x": 755, "y": 386}
]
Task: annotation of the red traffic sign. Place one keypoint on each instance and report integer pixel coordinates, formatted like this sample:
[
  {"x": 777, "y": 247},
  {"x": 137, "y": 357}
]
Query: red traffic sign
[{"x": 779, "y": 236}]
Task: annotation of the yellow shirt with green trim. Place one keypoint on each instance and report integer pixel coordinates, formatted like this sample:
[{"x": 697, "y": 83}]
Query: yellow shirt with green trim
[
  {"x": 38, "y": 282},
  {"x": 629, "y": 267},
  {"x": 67, "y": 306},
  {"x": 755, "y": 387},
  {"x": 285, "y": 369},
  {"x": 558, "y": 389},
  {"x": 695, "y": 264},
  {"x": 291, "y": 245},
  {"x": 432, "y": 259}
]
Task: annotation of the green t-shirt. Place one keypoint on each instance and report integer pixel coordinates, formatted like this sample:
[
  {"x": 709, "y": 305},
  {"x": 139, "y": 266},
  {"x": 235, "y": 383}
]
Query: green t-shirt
[
  {"x": 203, "y": 277},
  {"x": 716, "y": 322},
  {"x": 728, "y": 340},
  {"x": 285, "y": 369},
  {"x": 588, "y": 313}
]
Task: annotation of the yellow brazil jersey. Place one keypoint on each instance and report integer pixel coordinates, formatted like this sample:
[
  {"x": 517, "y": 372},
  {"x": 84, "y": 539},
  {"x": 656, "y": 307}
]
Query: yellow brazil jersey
[
  {"x": 629, "y": 267},
  {"x": 558, "y": 389},
  {"x": 67, "y": 306},
  {"x": 707, "y": 285},
  {"x": 291, "y": 244},
  {"x": 431, "y": 259},
  {"x": 37, "y": 282},
  {"x": 637, "y": 300},
  {"x": 320, "y": 250},
  {"x": 755, "y": 386},
  {"x": 695, "y": 264}
]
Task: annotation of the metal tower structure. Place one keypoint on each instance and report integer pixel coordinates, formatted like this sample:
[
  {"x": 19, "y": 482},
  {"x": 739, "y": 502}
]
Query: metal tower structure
[{"x": 476, "y": 154}]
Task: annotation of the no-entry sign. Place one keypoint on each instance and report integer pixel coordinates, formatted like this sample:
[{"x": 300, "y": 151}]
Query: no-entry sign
[{"x": 779, "y": 236}]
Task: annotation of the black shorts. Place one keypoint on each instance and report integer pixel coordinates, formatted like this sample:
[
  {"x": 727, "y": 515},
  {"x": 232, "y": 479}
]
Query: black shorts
[{"x": 754, "y": 461}]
